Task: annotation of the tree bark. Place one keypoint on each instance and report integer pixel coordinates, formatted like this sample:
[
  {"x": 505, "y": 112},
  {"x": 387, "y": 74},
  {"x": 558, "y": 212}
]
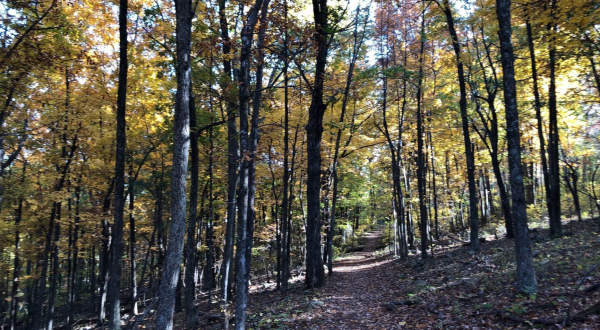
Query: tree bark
[
  {"x": 491, "y": 130},
  {"x": 469, "y": 154},
  {"x": 245, "y": 223},
  {"x": 191, "y": 314},
  {"x": 285, "y": 270},
  {"x": 116, "y": 266},
  {"x": 526, "y": 281},
  {"x": 315, "y": 275},
  {"x": 181, "y": 145},
  {"x": 554, "y": 211},
  {"x": 73, "y": 271},
  {"x": 17, "y": 259},
  {"x": 232, "y": 164},
  {"x": 421, "y": 162}
]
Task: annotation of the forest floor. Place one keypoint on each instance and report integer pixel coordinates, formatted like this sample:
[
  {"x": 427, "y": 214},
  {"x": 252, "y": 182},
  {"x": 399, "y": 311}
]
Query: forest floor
[{"x": 454, "y": 289}]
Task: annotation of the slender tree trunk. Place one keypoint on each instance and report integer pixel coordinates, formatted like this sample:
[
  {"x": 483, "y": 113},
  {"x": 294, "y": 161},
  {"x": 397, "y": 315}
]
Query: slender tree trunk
[
  {"x": 181, "y": 145},
  {"x": 73, "y": 273},
  {"x": 571, "y": 181},
  {"x": 38, "y": 320},
  {"x": 116, "y": 266},
  {"x": 17, "y": 259},
  {"x": 132, "y": 242},
  {"x": 358, "y": 40},
  {"x": 421, "y": 162},
  {"x": 315, "y": 275},
  {"x": 54, "y": 274},
  {"x": 245, "y": 225},
  {"x": 286, "y": 179},
  {"x": 104, "y": 255},
  {"x": 594, "y": 71},
  {"x": 210, "y": 258},
  {"x": 232, "y": 165},
  {"x": 553, "y": 141},
  {"x": 538, "y": 113},
  {"x": 191, "y": 314},
  {"x": 526, "y": 281},
  {"x": 469, "y": 154}
]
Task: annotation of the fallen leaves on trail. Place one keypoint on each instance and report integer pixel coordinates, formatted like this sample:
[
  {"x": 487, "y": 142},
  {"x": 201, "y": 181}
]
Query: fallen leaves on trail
[{"x": 453, "y": 290}]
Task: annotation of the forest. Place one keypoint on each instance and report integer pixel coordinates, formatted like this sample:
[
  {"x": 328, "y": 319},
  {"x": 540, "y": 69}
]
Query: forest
[{"x": 215, "y": 164}]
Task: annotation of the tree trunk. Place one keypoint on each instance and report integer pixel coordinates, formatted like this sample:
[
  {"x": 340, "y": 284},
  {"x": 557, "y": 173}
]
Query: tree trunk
[
  {"x": 17, "y": 260},
  {"x": 421, "y": 162},
  {"x": 286, "y": 178},
  {"x": 181, "y": 145},
  {"x": 571, "y": 181},
  {"x": 538, "y": 113},
  {"x": 232, "y": 165},
  {"x": 116, "y": 256},
  {"x": 191, "y": 314},
  {"x": 315, "y": 275},
  {"x": 526, "y": 282},
  {"x": 104, "y": 255},
  {"x": 554, "y": 211},
  {"x": 245, "y": 225},
  {"x": 54, "y": 274},
  {"x": 72, "y": 297},
  {"x": 132, "y": 242},
  {"x": 469, "y": 154}
]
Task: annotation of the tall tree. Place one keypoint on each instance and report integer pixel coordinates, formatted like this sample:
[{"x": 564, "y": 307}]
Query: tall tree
[
  {"x": 181, "y": 145},
  {"x": 553, "y": 136},
  {"x": 469, "y": 152},
  {"x": 245, "y": 224},
  {"x": 191, "y": 314},
  {"x": 315, "y": 274},
  {"x": 232, "y": 159},
  {"x": 526, "y": 282},
  {"x": 421, "y": 161},
  {"x": 114, "y": 286},
  {"x": 538, "y": 113}
]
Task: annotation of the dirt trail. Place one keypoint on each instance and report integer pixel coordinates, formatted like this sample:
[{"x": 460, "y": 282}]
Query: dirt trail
[
  {"x": 353, "y": 296},
  {"x": 453, "y": 290}
]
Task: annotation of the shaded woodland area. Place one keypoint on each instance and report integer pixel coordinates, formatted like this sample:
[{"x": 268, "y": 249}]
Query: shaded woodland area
[{"x": 182, "y": 164}]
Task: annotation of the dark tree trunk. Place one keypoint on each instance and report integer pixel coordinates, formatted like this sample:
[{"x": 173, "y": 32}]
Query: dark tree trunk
[
  {"x": 232, "y": 164},
  {"x": 116, "y": 266},
  {"x": 526, "y": 282},
  {"x": 285, "y": 270},
  {"x": 594, "y": 71},
  {"x": 315, "y": 275},
  {"x": 469, "y": 154},
  {"x": 421, "y": 162},
  {"x": 17, "y": 260},
  {"x": 209, "y": 271},
  {"x": 132, "y": 242},
  {"x": 538, "y": 114},
  {"x": 245, "y": 225},
  {"x": 191, "y": 314},
  {"x": 571, "y": 181},
  {"x": 50, "y": 244},
  {"x": 181, "y": 145},
  {"x": 73, "y": 271},
  {"x": 104, "y": 255},
  {"x": 54, "y": 274},
  {"x": 554, "y": 211}
]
